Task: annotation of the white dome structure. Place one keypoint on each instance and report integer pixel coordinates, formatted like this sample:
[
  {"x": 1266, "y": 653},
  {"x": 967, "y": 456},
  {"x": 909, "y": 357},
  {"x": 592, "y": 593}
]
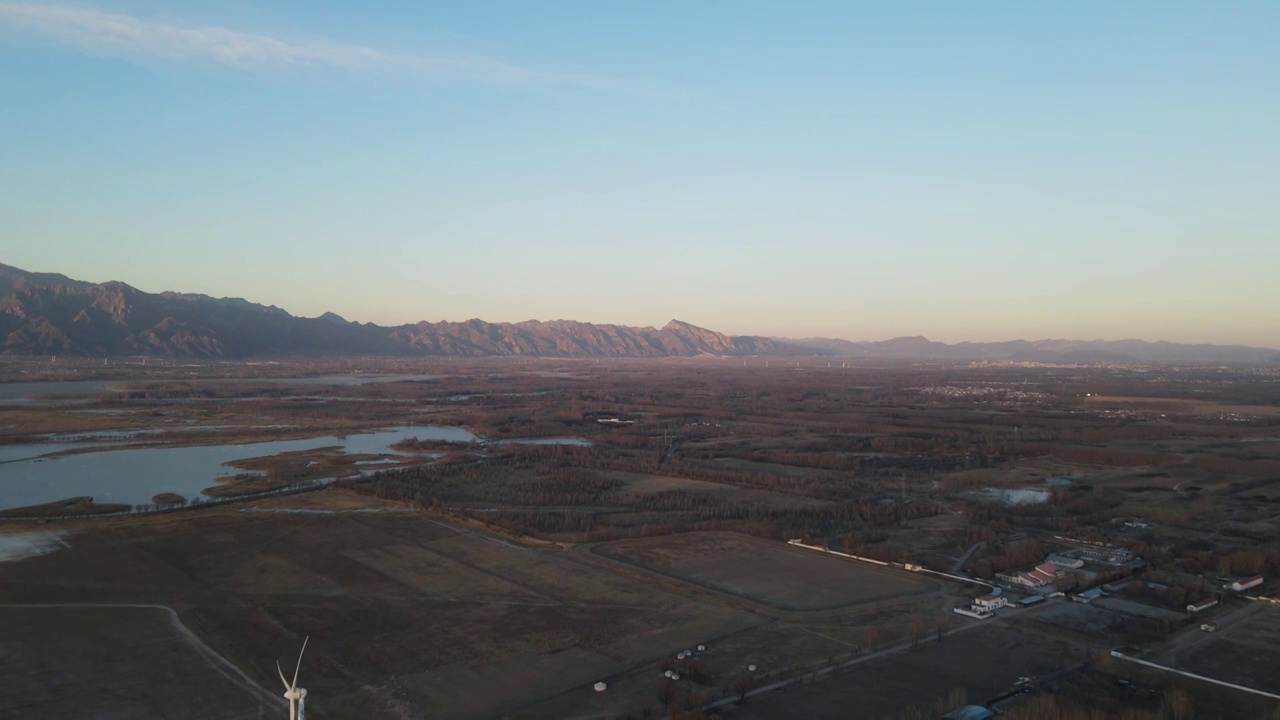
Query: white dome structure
[{"x": 600, "y": 687}]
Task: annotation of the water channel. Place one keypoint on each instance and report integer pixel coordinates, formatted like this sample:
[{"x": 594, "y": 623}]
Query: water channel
[{"x": 28, "y": 476}]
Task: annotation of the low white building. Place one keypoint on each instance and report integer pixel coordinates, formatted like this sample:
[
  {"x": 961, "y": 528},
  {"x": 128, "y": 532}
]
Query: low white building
[
  {"x": 1246, "y": 583},
  {"x": 1062, "y": 561},
  {"x": 990, "y": 603},
  {"x": 1201, "y": 606}
]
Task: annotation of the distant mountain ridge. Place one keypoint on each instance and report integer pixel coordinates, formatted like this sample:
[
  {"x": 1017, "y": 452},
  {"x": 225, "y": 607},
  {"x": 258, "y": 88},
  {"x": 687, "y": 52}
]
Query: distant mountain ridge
[
  {"x": 1047, "y": 351},
  {"x": 48, "y": 314},
  {"x": 42, "y": 313}
]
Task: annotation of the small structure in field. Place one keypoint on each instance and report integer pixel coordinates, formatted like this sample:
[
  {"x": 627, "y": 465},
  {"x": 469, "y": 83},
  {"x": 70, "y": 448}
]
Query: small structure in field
[
  {"x": 1201, "y": 606},
  {"x": 970, "y": 712},
  {"x": 1088, "y": 595},
  {"x": 1209, "y": 626},
  {"x": 600, "y": 687}
]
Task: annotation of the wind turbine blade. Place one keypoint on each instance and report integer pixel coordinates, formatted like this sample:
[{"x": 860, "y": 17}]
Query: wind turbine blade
[
  {"x": 299, "y": 667},
  {"x": 286, "y": 682}
]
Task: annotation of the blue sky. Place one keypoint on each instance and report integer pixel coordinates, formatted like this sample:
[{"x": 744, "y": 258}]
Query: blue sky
[{"x": 965, "y": 171}]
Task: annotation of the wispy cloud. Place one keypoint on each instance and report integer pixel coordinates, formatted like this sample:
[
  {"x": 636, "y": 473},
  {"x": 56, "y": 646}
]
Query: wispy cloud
[{"x": 103, "y": 33}]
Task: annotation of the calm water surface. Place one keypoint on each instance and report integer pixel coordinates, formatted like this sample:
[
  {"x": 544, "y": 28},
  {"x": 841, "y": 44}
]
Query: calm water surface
[
  {"x": 1017, "y": 496},
  {"x": 134, "y": 476},
  {"x": 348, "y": 379}
]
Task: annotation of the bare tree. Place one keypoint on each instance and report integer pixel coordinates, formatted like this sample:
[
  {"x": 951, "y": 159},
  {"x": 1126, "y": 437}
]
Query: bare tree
[
  {"x": 744, "y": 686},
  {"x": 917, "y": 629}
]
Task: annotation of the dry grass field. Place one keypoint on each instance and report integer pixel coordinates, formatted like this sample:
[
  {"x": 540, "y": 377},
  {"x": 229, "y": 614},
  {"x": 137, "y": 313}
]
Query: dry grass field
[
  {"x": 409, "y": 615},
  {"x": 122, "y": 663},
  {"x": 984, "y": 662},
  {"x": 771, "y": 573},
  {"x": 1246, "y": 652},
  {"x": 1184, "y": 406},
  {"x": 504, "y": 580},
  {"x": 647, "y": 484}
]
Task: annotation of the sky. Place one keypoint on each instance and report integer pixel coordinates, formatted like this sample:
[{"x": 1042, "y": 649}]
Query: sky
[{"x": 964, "y": 171}]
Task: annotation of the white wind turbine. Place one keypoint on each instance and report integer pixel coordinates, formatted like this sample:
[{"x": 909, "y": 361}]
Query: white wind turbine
[{"x": 297, "y": 696}]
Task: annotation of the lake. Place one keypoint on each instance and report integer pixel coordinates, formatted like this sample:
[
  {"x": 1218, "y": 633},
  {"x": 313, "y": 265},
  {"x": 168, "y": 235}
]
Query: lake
[
  {"x": 134, "y": 476},
  {"x": 1017, "y": 496}
]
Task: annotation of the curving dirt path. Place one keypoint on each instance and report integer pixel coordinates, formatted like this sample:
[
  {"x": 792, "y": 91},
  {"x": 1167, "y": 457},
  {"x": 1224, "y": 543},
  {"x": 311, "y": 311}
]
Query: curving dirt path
[{"x": 223, "y": 666}]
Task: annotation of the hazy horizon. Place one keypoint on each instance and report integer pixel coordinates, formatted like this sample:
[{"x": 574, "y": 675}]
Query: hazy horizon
[
  {"x": 815, "y": 170},
  {"x": 659, "y": 324}
]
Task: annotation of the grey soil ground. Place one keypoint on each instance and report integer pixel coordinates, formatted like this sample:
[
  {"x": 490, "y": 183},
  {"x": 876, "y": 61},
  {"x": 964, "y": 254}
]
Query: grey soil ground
[
  {"x": 114, "y": 664},
  {"x": 984, "y": 662}
]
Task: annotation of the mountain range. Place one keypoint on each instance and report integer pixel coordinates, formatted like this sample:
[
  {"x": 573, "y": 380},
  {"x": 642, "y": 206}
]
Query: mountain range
[
  {"x": 1046, "y": 351},
  {"x": 48, "y": 314}
]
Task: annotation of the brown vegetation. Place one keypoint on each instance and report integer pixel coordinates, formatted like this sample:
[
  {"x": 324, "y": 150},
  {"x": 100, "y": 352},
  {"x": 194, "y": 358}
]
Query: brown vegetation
[
  {"x": 892, "y": 462},
  {"x": 69, "y": 508}
]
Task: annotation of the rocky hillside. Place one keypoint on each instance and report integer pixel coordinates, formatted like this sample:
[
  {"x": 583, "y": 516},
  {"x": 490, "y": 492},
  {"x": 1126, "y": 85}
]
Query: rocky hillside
[{"x": 52, "y": 314}]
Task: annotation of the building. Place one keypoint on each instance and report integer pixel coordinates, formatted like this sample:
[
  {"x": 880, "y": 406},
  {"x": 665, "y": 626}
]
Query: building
[
  {"x": 1246, "y": 583},
  {"x": 1030, "y": 600},
  {"x": 985, "y": 606},
  {"x": 1118, "y": 585},
  {"x": 1088, "y": 595},
  {"x": 1209, "y": 626},
  {"x": 1062, "y": 561},
  {"x": 1105, "y": 555},
  {"x": 1201, "y": 606},
  {"x": 990, "y": 603},
  {"x": 970, "y": 712},
  {"x": 1039, "y": 576}
]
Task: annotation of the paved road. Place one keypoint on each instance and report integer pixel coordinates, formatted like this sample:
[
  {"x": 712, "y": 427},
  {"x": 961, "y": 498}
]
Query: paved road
[
  {"x": 670, "y": 453},
  {"x": 959, "y": 566}
]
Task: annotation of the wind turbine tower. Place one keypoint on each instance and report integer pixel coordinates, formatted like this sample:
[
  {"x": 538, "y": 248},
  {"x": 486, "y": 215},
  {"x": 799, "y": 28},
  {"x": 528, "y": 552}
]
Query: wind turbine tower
[{"x": 297, "y": 696}]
